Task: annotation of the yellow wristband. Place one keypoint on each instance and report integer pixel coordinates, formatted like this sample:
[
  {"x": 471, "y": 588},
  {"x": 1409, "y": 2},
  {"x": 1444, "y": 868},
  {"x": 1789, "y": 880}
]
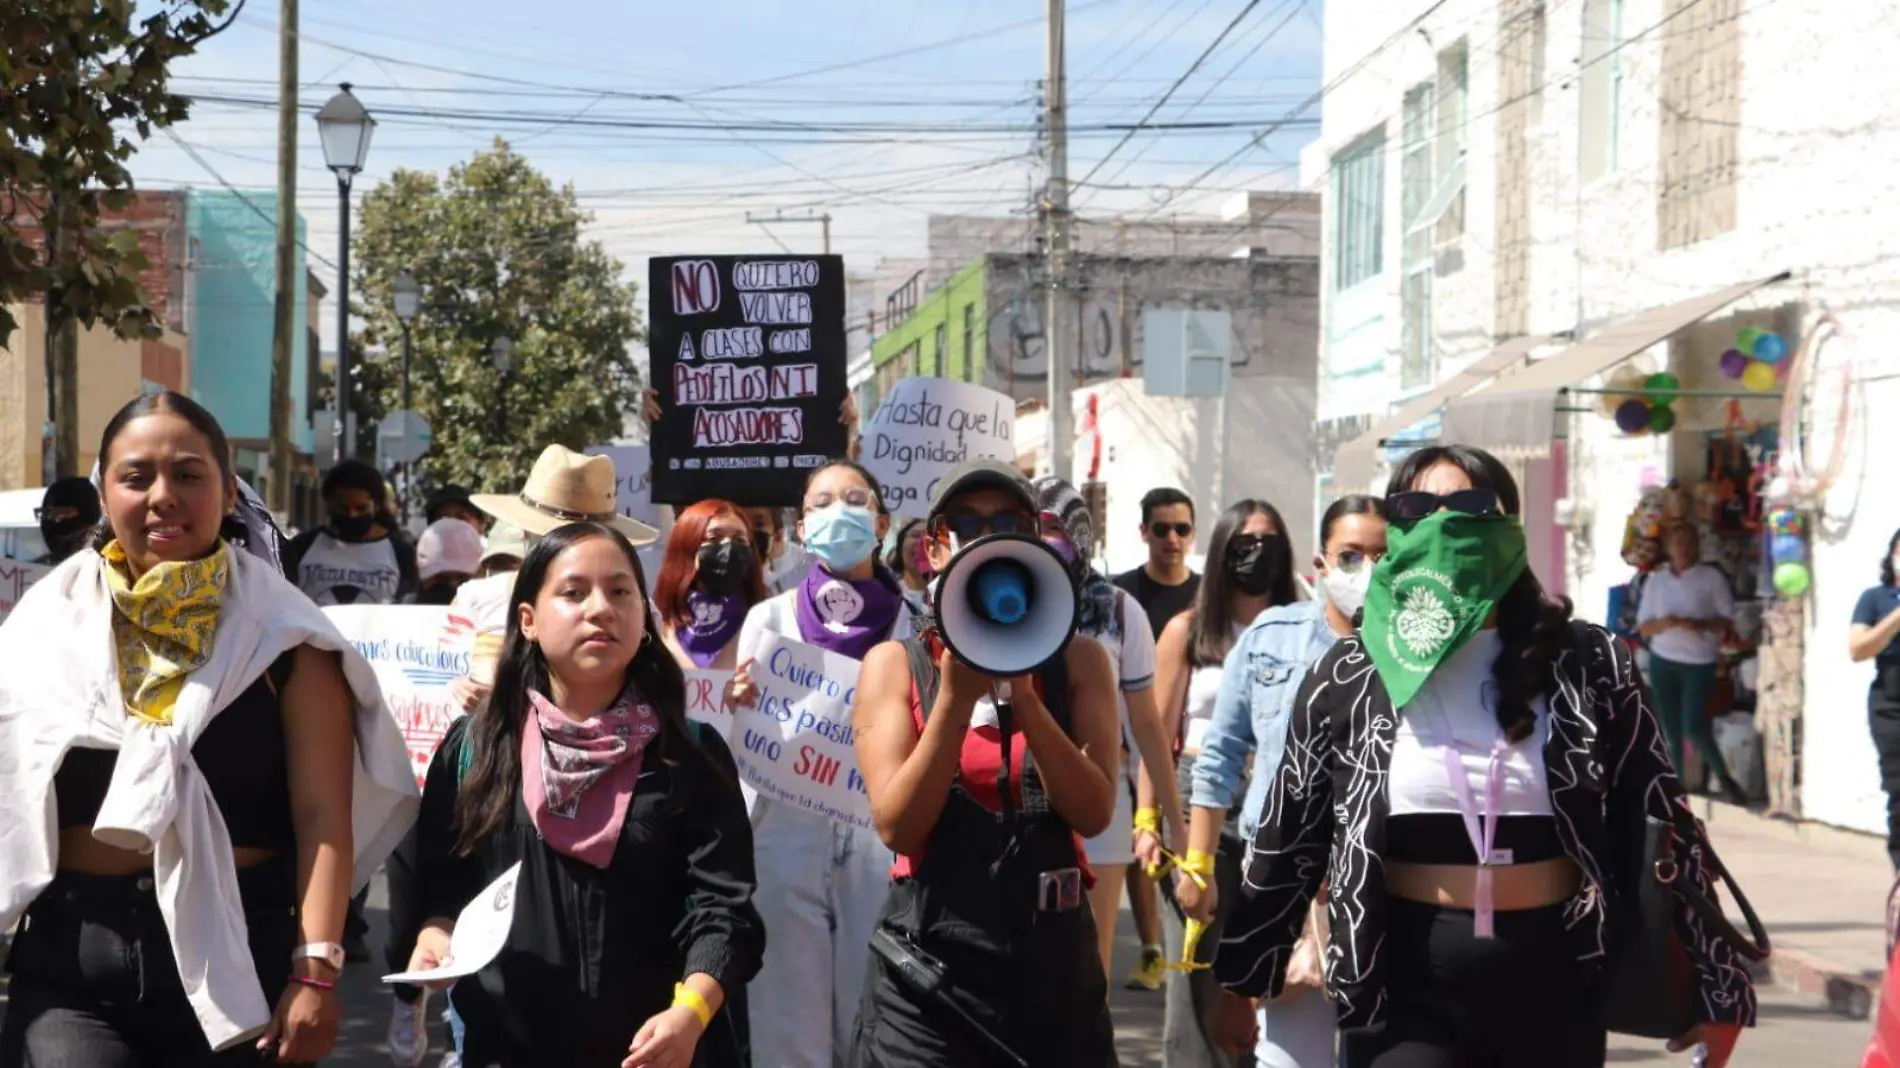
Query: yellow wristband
[
  {"x": 1148, "y": 819},
  {"x": 686, "y": 997},
  {"x": 1198, "y": 863}
]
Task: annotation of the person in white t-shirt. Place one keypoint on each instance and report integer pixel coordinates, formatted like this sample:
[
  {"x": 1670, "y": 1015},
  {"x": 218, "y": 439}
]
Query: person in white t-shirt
[
  {"x": 1687, "y": 609},
  {"x": 360, "y": 555}
]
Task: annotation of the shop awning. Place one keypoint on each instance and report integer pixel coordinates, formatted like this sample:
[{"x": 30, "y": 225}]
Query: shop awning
[
  {"x": 1518, "y": 411},
  {"x": 1357, "y": 461}
]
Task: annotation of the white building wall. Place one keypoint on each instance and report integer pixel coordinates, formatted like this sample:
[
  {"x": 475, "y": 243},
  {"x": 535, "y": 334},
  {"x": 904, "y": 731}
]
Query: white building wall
[{"x": 1819, "y": 169}]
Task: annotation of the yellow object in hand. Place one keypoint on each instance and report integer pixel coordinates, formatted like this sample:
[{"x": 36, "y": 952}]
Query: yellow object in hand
[
  {"x": 1148, "y": 819},
  {"x": 1190, "y": 945},
  {"x": 686, "y": 997}
]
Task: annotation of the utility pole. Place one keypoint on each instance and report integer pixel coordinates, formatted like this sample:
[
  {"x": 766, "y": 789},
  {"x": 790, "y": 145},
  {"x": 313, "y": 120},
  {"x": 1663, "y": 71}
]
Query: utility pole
[
  {"x": 1056, "y": 249},
  {"x": 808, "y": 217},
  {"x": 284, "y": 321}
]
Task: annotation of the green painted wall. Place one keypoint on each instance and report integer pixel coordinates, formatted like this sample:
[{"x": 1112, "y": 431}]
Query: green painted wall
[{"x": 917, "y": 347}]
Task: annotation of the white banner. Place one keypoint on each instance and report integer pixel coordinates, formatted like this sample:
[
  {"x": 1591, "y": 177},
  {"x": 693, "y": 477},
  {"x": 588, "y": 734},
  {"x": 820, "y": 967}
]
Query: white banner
[
  {"x": 928, "y": 426},
  {"x": 15, "y": 577},
  {"x": 416, "y": 652},
  {"x": 706, "y": 697},
  {"x": 633, "y": 466},
  {"x": 794, "y": 744}
]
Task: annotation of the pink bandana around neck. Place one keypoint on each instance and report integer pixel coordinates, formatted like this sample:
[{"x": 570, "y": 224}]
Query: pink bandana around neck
[{"x": 577, "y": 777}]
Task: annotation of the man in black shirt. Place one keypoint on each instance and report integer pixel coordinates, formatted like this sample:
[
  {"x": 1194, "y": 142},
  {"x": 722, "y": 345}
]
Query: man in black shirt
[{"x": 1164, "y": 586}]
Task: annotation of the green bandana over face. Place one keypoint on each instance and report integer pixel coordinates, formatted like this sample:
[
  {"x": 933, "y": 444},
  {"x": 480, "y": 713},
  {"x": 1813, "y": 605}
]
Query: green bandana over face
[{"x": 1438, "y": 583}]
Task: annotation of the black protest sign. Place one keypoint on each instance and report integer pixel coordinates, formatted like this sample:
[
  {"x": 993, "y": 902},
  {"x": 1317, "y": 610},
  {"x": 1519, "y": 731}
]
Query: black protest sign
[{"x": 748, "y": 356}]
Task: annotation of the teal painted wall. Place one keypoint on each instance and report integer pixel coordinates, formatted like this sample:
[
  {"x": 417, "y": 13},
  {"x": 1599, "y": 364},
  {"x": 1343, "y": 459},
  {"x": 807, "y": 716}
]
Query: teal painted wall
[{"x": 232, "y": 291}]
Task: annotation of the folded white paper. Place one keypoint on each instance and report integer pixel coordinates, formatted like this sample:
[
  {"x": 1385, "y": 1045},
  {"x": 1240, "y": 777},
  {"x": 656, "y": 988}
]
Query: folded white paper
[{"x": 480, "y": 932}]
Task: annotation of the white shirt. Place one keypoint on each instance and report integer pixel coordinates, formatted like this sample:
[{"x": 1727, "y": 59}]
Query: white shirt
[
  {"x": 1203, "y": 690},
  {"x": 1130, "y": 643},
  {"x": 59, "y": 689},
  {"x": 1702, "y": 592},
  {"x": 349, "y": 572},
  {"x": 1463, "y": 693}
]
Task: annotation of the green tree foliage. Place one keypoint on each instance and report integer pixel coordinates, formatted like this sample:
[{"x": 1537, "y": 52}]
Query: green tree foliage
[
  {"x": 498, "y": 252},
  {"x": 78, "y": 78}
]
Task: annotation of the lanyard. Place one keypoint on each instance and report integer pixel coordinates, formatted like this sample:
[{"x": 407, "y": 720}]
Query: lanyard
[{"x": 1481, "y": 826}]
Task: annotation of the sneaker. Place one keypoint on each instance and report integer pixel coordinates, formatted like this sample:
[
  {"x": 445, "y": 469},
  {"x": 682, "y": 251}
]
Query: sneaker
[
  {"x": 408, "y": 1031},
  {"x": 1151, "y": 973}
]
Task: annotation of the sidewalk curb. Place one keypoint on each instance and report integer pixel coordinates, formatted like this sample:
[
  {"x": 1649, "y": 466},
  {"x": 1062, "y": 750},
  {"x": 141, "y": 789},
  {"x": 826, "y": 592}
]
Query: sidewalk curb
[{"x": 1849, "y": 992}]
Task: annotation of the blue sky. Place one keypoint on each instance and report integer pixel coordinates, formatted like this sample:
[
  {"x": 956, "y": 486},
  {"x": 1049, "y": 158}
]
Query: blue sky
[{"x": 950, "y": 89}]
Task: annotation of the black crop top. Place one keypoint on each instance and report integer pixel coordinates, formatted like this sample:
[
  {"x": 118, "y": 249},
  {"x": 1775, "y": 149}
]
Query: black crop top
[{"x": 240, "y": 754}]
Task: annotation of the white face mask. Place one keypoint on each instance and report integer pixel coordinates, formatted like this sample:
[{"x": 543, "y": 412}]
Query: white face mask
[{"x": 1347, "y": 589}]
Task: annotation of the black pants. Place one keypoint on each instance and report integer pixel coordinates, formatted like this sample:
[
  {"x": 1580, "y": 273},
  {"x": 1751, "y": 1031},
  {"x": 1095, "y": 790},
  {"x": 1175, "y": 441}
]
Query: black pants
[
  {"x": 95, "y": 984},
  {"x": 1459, "y": 1001},
  {"x": 1883, "y": 722}
]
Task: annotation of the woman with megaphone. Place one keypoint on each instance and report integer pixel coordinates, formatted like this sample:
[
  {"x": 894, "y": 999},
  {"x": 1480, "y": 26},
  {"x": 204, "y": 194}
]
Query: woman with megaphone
[
  {"x": 988, "y": 748},
  {"x": 820, "y": 882}
]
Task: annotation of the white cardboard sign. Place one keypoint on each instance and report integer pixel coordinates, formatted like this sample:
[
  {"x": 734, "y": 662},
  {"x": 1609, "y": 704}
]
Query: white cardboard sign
[
  {"x": 926, "y": 427},
  {"x": 416, "y": 651},
  {"x": 633, "y": 467},
  {"x": 794, "y": 745},
  {"x": 481, "y": 930}
]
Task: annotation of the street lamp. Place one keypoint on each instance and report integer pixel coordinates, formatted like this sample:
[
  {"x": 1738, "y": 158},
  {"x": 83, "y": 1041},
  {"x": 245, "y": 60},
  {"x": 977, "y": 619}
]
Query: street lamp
[
  {"x": 408, "y": 301},
  {"x": 344, "y": 127},
  {"x": 501, "y": 353}
]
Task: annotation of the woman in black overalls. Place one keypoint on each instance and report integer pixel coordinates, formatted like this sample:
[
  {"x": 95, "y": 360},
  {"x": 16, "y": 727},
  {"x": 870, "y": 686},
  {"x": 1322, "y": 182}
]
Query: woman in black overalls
[{"x": 989, "y": 890}]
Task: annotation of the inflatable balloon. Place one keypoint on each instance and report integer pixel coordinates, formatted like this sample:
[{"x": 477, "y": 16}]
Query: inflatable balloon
[
  {"x": 1662, "y": 387},
  {"x": 1792, "y": 579},
  {"x": 1786, "y": 521},
  {"x": 1661, "y": 419},
  {"x": 1769, "y": 348},
  {"x": 1618, "y": 389},
  {"x": 1788, "y": 549},
  {"x": 1632, "y": 416},
  {"x": 1745, "y": 338},
  {"x": 1759, "y": 378},
  {"x": 1733, "y": 363},
  {"x": 1779, "y": 491}
]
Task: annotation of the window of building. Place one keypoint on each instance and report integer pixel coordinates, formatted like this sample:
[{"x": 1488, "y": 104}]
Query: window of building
[
  {"x": 1418, "y": 179},
  {"x": 970, "y": 373},
  {"x": 939, "y": 347},
  {"x": 1600, "y": 82},
  {"x": 1454, "y": 79},
  {"x": 1700, "y": 115},
  {"x": 1359, "y": 211}
]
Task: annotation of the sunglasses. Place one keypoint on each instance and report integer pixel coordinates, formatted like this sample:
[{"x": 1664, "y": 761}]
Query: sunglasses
[
  {"x": 1417, "y": 504},
  {"x": 856, "y": 498},
  {"x": 971, "y": 527},
  {"x": 1179, "y": 530},
  {"x": 1244, "y": 544}
]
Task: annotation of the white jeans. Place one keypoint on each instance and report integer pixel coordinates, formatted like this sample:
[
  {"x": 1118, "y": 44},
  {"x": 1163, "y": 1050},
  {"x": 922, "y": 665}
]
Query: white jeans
[
  {"x": 822, "y": 886},
  {"x": 1297, "y": 1031}
]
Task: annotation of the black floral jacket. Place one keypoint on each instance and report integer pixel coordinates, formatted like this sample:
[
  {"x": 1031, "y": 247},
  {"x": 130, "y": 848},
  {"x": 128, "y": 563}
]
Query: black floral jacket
[{"x": 1325, "y": 817}]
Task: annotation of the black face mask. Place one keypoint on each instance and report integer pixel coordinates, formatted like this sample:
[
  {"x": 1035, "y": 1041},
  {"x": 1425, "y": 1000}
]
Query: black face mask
[
  {"x": 64, "y": 537},
  {"x": 436, "y": 593},
  {"x": 762, "y": 544},
  {"x": 352, "y": 527},
  {"x": 1255, "y": 569},
  {"x": 725, "y": 567}
]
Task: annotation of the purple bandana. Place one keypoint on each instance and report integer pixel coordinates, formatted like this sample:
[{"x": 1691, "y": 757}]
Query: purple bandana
[
  {"x": 715, "y": 620},
  {"x": 847, "y": 617},
  {"x": 576, "y": 778}
]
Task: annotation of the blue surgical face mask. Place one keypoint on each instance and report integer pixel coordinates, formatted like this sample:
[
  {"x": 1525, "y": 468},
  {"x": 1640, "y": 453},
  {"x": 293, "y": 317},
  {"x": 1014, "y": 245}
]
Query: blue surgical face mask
[{"x": 841, "y": 536}]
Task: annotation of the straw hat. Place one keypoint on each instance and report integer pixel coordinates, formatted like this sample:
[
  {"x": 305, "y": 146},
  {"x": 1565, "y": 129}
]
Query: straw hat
[{"x": 565, "y": 487}]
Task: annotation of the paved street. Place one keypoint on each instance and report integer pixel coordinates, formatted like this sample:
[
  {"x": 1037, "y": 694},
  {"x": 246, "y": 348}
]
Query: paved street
[{"x": 1820, "y": 892}]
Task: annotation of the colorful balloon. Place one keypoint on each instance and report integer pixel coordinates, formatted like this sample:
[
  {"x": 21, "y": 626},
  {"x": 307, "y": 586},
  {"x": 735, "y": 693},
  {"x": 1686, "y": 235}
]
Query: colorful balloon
[
  {"x": 1788, "y": 549},
  {"x": 1770, "y": 348},
  {"x": 1632, "y": 416},
  {"x": 1759, "y": 378},
  {"x": 1661, "y": 419},
  {"x": 1733, "y": 363},
  {"x": 1662, "y": 388},
  {"x": 1792, "y": 579},
  {"x": 1745, "y": 338},
  {"x": 1612, "y": 399}
]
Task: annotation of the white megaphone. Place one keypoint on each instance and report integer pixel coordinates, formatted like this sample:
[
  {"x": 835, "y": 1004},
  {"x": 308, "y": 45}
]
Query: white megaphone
[{"x": 1006, "y": 604}]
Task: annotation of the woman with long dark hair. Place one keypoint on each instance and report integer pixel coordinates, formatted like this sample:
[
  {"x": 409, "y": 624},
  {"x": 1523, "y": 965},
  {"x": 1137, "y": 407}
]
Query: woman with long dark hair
[
  {"x": 199, "y": 769},
  {"x": 1242, "y": 747},
  {"x": 633, "y": 913},
  {"x": 1249, "y": 570},
  {"x": 709, "y": 580},
  {"x": 1468, "y": 774},
  {"x": 821, "y": 882},
  {"x": 1872, "y": 637},
  {"x": 985, "y": 811}
]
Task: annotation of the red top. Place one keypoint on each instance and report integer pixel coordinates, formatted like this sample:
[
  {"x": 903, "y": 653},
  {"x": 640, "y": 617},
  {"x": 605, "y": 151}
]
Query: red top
[{"x": 977, "y": 767}]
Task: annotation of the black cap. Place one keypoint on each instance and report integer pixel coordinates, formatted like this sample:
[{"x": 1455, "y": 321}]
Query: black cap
[
  {"x": 73, "y": 492},
  {"x": 441, "y": 498},
  {"x": 979, "y": 475}
]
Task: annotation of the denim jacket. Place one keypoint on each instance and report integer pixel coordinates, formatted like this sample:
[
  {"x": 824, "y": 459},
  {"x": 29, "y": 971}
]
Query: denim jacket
[{"x": 1258, "y": 681}]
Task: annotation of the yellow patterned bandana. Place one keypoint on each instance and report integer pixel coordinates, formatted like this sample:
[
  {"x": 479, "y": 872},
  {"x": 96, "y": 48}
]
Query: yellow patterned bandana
[{"x": 163, "y": 625}]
